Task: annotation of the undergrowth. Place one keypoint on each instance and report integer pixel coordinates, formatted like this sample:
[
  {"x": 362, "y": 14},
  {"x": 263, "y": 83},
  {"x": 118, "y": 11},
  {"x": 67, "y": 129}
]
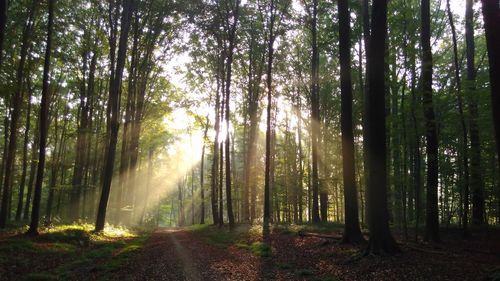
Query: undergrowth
[{"x": 66, "y": 252}]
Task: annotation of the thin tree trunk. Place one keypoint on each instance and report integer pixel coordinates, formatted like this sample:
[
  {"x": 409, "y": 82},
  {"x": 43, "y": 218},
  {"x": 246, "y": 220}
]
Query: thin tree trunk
[
  {"x": 267, "y": 172},
  {"x": 44, "y": 126},
  {"x": 16, "y": 111},
  {"x": 465, "y": 156},
  {"x": 232, "y": 38},
  {"x": 315, "y": 126},
  {"x": 114, "y": 107},
  {"x": 25, "y": 160},
  {"x": 202, "y": 174}
]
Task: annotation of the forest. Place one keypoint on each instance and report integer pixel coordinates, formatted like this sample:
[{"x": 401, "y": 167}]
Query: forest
[{"x": 250, "y": 140}]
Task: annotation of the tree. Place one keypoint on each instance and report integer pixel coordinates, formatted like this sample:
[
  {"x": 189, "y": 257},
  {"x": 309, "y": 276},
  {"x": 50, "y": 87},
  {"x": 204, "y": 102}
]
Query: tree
[
  {"x": 491, "y": 12},
  {"x": 271, "y": 21},
  {"x": 315, "y": 125},
  {"x": 202, "y": 173},
  {"x": 465, "y": 138},
  {"x": 432, "y": 215},
  {"x": 381, "y": 240},
  {"x": 231, "y": 24},
  {"x": 352, "y": 232},
  {"x": 476, "y": 177},
  {"x": 44, "y": 126},
  {"x": 114, "y": 110},
  {"x": 16, "y": 111}
]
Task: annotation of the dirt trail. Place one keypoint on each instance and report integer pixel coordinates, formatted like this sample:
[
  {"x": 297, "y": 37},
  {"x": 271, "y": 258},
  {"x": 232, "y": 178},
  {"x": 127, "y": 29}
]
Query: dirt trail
[
  {"x": 190, "y": 271},
  {"x": 176, "y": 254}
]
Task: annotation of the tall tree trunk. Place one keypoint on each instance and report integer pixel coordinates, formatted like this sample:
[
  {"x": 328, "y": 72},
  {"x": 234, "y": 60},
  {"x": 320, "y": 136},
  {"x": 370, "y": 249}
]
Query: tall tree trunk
[
  {"x": 25, "y": 160},
  {"x": 44, "y": 126},
  {"x": 57, "y": 161},
  {"x": 476, "y": 177},
  {"x": 465, "y": 156},
  {"x": 32, "y": 175},
  {"x": 352, "y": 231},
  {"x": 16, "y": 111},
  {"x": 315, "y": 127},
  {"x": 232, "y": 38},
  {"x": 381, "y": 240},
  {"x": 432, "y": 214},
  {"x": 301, "y": 161},
  {"x": 267, "y": 172},
  {"x": 491, "y": 16},
  {"x": 114, "y": 108},
  {"x": 202, "y": 174},
  {"x": 215, "y": 161}
]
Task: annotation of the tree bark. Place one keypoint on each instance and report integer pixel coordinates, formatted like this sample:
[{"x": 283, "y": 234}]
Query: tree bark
[
  {"x": 114, "y": 108},
  {"x": 432, "y": 215},
  {"x": 476, "y": 176},
  {"x": 270, "y": 58},
  {"x": 381, "y": 240},
  {"x": 44, "y": 126},
  {"x": 25, "y": 160},
  {"x": 491, "y": 17},
  {"x": 315, "y": 127},
  {"x": 352, "y": 231},
  {"x": 16, "y": 111},
  {"x": 229, "y": 62},
  {"x": 465, "y": 156}
]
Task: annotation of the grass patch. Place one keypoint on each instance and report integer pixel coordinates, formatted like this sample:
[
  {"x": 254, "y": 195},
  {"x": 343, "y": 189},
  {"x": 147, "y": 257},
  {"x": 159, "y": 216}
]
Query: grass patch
[
  {"x": 65, "y": 251},
  {"x": 322, "y": 227},
  {"x": 223, "y": 237},
  {"x": 261, "y": 249}
]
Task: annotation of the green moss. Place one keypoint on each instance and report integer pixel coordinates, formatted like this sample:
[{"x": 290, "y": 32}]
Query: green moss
[
  {"x": 224, "y": 237},
  {"x": 77, "y": 249},
  {"x": 261, "y": 249}
]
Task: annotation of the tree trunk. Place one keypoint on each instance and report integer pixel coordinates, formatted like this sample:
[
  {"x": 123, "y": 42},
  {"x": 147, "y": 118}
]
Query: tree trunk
[
  {"x": 270, "y": 57},
  {"x": 491, "y": 16},
  {"x": 25, "y": 160},
  {"x": 476, "y": 176},
  {"x": 44, "y": 126},
  {"x": 202, "y": 174},
  {"x": 381, "y": 240},
  {"x": 315, "y": 127},
  {"x": 465, "y": 156},
  {"x": 352, "y": 231},
  {"x": 232, "y": 38},
  {"x": 114, "y": 108},
  {"x": 432, "y": 214},
  {"x": 16, "y": 111}
]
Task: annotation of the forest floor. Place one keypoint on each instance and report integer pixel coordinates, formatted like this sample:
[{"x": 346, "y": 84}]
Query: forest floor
[{"x": 210, "y": 253}]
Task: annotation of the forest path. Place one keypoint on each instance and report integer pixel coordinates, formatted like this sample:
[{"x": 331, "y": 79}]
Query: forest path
[
  {"x": 178, "y": 254},
  {"x": 190, "y": 271}
]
